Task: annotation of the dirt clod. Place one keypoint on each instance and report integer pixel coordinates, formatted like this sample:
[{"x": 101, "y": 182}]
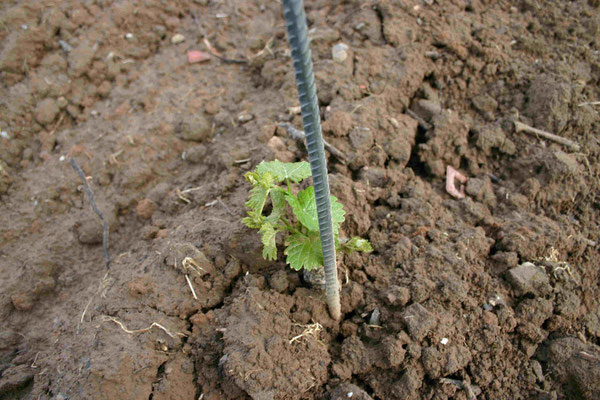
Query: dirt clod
[
  {"x": 145, "y": 208},
  {"x": 46, "y": 111}
]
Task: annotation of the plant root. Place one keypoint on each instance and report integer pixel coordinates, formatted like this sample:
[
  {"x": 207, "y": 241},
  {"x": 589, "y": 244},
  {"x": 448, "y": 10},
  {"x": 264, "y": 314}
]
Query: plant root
[{"x": 106, "y": 318}]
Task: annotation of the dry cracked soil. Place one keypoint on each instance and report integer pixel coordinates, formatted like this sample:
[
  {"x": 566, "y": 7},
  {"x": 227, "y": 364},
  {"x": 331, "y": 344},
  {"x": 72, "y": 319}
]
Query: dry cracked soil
[{"x": 490, "y": 296}]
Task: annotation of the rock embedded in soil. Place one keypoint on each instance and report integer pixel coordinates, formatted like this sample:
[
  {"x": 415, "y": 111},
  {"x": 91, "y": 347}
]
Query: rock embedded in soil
[
  {"x": 278, "y": 281},
  {"x": 46, "y": 111},
  {"x": 418, "y": 321},
  {"x": 427, "y": 109},
  {"x": 339, "y": 52},
  {"x": 361, "y": 139},
  {"x": 89, "y": 231},
  {"x": 347, "y": 391},
  {"x": 196, "y": 154},
  {"x": 373, "y": 176},
  {"x": 529, "y": 278},
  {"x": 485, "y": 103},
  {"x": 194, "y": 127},
  {"x": 177, "y": 38},
  {"x": 145, "y": 208}
]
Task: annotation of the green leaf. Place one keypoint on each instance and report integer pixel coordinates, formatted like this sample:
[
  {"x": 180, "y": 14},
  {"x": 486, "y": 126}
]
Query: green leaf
[
  {"x": 305, "y": 208},
  {"x": 337, "y": 214},
  {"x": 356, "y": 244},
  {"x": 254, "y": 220},
  {"x": 262, "y": 184},
  {"x": 281, "y": 171},
  {"x": 268, "y": 233},
  {"x": 278, "y": 200},
  {"x": 304, "y": 251}
]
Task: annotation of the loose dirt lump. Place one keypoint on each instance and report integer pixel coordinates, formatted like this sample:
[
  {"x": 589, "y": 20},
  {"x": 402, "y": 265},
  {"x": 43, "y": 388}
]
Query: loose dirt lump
[{"x": 260, "y": 354}]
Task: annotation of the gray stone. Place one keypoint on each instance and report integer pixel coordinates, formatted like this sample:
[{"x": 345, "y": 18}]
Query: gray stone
[
  {"x": 485, "y": 103},
  {"x": 346, "y": 391},
  {"x": 529, "y": 278},
  {"x": 427, "y": 109},
  {"x": 195, "y": 128},
  {"x": 195, "y": 154},
  {"x": 361, "y": 139},
  {"x": 418, "y": 321}
]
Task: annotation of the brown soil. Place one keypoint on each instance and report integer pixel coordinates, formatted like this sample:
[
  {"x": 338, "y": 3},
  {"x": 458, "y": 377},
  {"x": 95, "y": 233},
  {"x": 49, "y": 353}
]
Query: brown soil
[{"x": 494, "y": 296}]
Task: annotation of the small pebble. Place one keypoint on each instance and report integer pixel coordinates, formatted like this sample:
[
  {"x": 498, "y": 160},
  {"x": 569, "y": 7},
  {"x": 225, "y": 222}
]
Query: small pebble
[
  {"x": 196, "y": 56},
  {"x": 24, "y": 27},
  {"x": 177, "y": 38},
  {"x": 444, "y": 341},
  {"x": 4, "y": 135},
  {"x": 62, "y": 158},
  {"x": 294, "y": 110},
  {"x": 374, "y": 320},
  {"x": 243, "y": 118},
  {"x": 339, "y": 52},
  {"x": 129, "y": 36}
]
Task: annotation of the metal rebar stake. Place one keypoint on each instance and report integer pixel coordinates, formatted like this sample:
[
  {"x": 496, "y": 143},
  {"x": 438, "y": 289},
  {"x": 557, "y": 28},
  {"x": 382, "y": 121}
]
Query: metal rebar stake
[{"x": 293, "y": 11}]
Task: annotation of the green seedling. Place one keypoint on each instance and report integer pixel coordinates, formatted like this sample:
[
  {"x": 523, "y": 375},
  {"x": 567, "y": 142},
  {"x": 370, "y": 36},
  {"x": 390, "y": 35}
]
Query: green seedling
[{"x": 299, "y": 221}]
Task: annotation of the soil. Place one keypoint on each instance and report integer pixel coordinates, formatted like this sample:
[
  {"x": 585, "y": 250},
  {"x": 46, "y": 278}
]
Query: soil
[{"x": 493, "y": 296}]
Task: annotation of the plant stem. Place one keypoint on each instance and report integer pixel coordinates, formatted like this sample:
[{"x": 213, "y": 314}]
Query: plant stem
[
  {"x": 287, "y": 180},
  {"x": 288, "y": 225}
]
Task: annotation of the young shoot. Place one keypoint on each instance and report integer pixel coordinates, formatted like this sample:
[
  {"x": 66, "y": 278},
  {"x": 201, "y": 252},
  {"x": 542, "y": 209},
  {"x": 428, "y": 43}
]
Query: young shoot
[{"x": 292, "y": 214}]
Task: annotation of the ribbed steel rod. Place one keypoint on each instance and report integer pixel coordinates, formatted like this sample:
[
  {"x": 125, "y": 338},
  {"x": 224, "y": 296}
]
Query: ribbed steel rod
[{"x": 293, "y": 11}]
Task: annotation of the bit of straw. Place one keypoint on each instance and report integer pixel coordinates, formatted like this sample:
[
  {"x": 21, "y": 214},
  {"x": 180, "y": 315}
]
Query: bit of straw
[
  {"x": 189, "y": 263},
  {"x": 187, "y": 278},
  {"x": 310, "y": 329}
]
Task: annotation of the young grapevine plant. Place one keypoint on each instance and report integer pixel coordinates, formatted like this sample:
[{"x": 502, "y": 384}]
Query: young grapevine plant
[{"x": 302, "y": 243}]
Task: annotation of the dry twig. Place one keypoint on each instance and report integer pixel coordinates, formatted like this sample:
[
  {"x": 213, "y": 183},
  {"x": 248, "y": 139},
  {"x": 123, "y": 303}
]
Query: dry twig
[
  {"x": 96, "y": 210},
  {"x": 299, "y": 135},
  {"x": 521, "y": 127}
]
